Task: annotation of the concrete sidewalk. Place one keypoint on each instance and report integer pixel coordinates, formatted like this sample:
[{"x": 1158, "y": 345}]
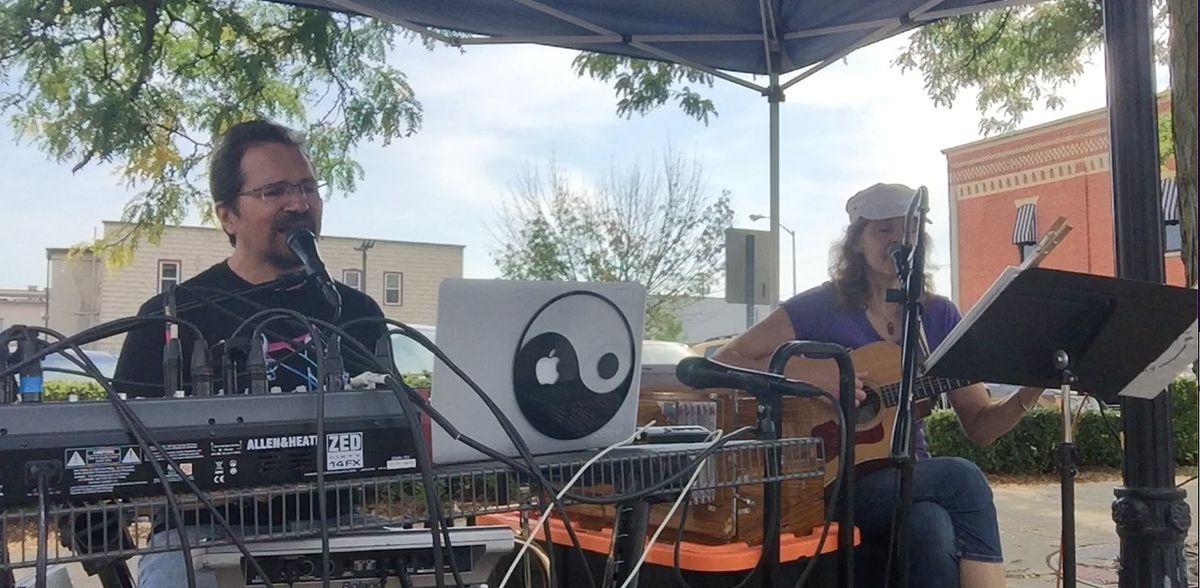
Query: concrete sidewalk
[{"x": 1030, "y": 520}]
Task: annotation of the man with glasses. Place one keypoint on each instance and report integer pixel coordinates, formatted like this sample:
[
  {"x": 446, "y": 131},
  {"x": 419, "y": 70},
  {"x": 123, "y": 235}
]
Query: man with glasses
[{"x": 263, "y": 186}]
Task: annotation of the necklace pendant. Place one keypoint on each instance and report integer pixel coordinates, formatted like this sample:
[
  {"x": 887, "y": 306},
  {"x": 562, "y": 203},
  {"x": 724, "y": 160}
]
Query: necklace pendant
[{"x": 891, "y": 328}]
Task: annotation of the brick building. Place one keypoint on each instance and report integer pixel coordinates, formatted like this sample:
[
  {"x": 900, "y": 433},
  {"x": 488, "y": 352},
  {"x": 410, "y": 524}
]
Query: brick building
[
  {"x": 403, "y": 277},
  {"x": 1005, "y": 190}
]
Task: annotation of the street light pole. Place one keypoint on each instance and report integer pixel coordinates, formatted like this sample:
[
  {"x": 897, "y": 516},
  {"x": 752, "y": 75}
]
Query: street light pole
[{"x": 792, "y": 234}]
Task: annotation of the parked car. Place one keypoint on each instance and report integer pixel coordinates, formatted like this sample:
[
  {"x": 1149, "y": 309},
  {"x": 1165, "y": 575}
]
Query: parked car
[
  {"x": 409, "y": 356},
  {"x": 665, "y": 352},
  {"x": 710, "y": 347},
  {"x": 107, "y": 362}
]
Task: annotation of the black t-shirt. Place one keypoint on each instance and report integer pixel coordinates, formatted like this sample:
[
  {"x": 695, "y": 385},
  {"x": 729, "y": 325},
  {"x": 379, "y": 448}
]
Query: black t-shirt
[{"x": 291, "y": 362}]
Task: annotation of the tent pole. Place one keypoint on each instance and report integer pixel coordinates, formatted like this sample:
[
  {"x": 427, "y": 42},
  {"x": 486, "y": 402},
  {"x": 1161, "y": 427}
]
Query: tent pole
[{"x": 774, "y": 97}]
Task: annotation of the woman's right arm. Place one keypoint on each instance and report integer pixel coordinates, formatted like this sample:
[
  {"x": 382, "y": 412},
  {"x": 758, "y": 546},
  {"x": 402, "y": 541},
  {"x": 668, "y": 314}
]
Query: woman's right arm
[{"x": 753, "y": 349}]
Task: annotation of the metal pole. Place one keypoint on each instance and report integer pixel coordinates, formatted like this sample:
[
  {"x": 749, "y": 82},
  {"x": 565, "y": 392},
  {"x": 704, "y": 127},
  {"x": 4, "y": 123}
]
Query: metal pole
[
  {"x": 1151, "y": 515},
  {"x": 774, "y": 97},
  {"x": 792, "y": 234},
  {"x": 750, "y": 298}
]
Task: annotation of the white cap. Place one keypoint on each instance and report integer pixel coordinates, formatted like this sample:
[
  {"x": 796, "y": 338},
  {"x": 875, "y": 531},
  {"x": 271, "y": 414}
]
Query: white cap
[{"x": 881, "y": 201}]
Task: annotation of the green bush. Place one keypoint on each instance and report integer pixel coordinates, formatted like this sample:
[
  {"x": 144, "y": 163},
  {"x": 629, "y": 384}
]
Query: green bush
[
  {"x": 60, "y": 389},
  {"x": 1030, "y": 446},
  {"x": 1185, "y": 407}
]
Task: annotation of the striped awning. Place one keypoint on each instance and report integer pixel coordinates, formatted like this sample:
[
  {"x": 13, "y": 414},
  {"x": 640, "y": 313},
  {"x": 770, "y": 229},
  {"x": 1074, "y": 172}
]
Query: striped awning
[
  {"x": 1170, "y": 201},
  {"x": 1025, "y": 228}
]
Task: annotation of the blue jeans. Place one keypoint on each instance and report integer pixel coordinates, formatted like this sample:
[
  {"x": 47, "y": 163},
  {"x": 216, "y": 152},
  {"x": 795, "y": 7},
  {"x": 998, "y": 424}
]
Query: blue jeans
[{"x": 952, "y": 518}]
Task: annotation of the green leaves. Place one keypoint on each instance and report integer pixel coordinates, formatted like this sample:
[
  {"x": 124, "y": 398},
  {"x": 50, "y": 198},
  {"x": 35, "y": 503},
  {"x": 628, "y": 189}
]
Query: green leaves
[
  {"x": 145, "y": 85},
  {"x": 642, "y": 86},
  {"x": 1016, "y": 57},
  {"x": 661, "y": 228}
]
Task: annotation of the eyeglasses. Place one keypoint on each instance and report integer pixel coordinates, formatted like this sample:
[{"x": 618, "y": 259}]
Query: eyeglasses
[{"x": 276, "y": 192}]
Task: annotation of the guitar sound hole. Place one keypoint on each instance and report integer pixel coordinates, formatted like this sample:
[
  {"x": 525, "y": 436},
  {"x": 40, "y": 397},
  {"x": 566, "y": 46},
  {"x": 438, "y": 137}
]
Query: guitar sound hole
[{"x": 869, "y": 408}]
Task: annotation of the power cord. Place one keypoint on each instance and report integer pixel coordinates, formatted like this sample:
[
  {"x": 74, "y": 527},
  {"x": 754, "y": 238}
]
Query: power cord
[
  {"x": 574, "y": 479},
  {"x": 683, "y": 496}
]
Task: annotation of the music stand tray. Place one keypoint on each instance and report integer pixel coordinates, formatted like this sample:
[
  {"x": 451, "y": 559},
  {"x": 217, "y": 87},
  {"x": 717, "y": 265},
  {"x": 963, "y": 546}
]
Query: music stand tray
[{"x": 1122, "y": 336}]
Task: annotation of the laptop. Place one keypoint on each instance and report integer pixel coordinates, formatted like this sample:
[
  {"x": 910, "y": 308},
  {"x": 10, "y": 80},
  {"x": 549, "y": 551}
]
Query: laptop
[{"x": 560, "y": 359}]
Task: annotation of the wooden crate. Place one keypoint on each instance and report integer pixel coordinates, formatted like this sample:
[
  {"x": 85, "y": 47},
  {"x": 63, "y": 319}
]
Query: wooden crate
[{"x": 725, "y": 515}]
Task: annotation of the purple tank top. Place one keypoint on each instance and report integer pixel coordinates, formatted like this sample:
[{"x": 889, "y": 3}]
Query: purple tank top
[{"x": 816, "y": 316}]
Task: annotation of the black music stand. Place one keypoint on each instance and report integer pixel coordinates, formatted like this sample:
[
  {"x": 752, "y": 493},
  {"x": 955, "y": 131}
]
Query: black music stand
[{"x": 1057, "y": 329}]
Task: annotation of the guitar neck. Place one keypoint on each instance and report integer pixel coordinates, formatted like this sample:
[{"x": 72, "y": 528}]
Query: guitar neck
[{"x": 925, "y": 387}]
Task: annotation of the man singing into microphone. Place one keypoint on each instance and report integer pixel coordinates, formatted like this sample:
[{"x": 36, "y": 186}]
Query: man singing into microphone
[{"x": 264, "y": 188}]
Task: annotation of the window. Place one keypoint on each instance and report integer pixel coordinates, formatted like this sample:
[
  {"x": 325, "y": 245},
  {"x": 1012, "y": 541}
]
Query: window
[
  {"x": 1026, "y": 249},
  {"x": 168, "y": 274},
  {"x": 1169, "y": 192},
  {"x": 393, "y": 288},
  {"x": 352, "y": 278},
  {"x": 1172, "y": 241},
  {"x": 1025, "y": 230}
]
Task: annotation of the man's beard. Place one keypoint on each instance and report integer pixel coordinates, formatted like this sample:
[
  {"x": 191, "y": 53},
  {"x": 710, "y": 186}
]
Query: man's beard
[{"x": 283, "y": 258}]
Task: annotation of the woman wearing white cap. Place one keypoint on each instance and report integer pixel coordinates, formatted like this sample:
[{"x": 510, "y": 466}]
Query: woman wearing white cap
[{"x": 955, "y": 539}]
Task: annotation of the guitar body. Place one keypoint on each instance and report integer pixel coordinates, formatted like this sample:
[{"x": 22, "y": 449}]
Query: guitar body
[{"x": 804, "y": 417}]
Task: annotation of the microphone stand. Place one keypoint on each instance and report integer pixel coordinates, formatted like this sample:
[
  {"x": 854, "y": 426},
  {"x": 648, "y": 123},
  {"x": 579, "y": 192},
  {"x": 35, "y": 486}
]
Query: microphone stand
[
  {"x": 910, "y": 268},
  {"x": 845, "y": 498}
]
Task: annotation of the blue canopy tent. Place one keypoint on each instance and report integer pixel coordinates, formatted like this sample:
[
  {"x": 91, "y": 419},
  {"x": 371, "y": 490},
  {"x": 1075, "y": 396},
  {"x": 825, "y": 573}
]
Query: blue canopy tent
[
  {"x": 738, "y": 40},
  {"x": 727, "y": 39}
]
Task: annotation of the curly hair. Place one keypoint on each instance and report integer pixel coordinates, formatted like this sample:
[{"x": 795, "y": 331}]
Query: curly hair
[{"x": 848, "y": 268}]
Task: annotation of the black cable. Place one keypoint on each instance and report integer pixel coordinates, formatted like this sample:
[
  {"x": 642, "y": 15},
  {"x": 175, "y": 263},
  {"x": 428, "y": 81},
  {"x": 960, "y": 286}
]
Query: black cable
[
  {"x": 140, "y": 437},
  {"x": 432, "y": 495},
  {"x": 1108, "y": 424},
  {"x": 265, "y": 317},
  {"x": 116, "y": 381},
  {"x": 142, "y": 434},
  {"x": 430, "y": 487},
  {"x": 402, "y": 573},
  {"x": 89, "y": 335},
  {"x": 394, "y": 381},
  {"x": 846, "y": 440},
  {"x": 531, "y": 466},
  {"x": 40, "y": 573}
]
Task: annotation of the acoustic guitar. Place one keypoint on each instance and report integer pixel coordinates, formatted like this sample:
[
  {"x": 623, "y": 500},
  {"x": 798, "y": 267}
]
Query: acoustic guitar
[{"x": 876, "y": 414}]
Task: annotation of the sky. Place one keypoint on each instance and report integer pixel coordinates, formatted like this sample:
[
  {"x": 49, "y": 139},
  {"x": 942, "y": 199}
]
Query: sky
[{"x": 492, "y": 112}]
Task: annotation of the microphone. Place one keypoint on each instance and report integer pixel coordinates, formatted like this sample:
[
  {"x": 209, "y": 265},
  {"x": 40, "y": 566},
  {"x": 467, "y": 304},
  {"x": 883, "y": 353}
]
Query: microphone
[
  {"x": 303, "y": 243},
  {"x": 899, "y": 254},
  {"x": 700, "y": 373}
]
